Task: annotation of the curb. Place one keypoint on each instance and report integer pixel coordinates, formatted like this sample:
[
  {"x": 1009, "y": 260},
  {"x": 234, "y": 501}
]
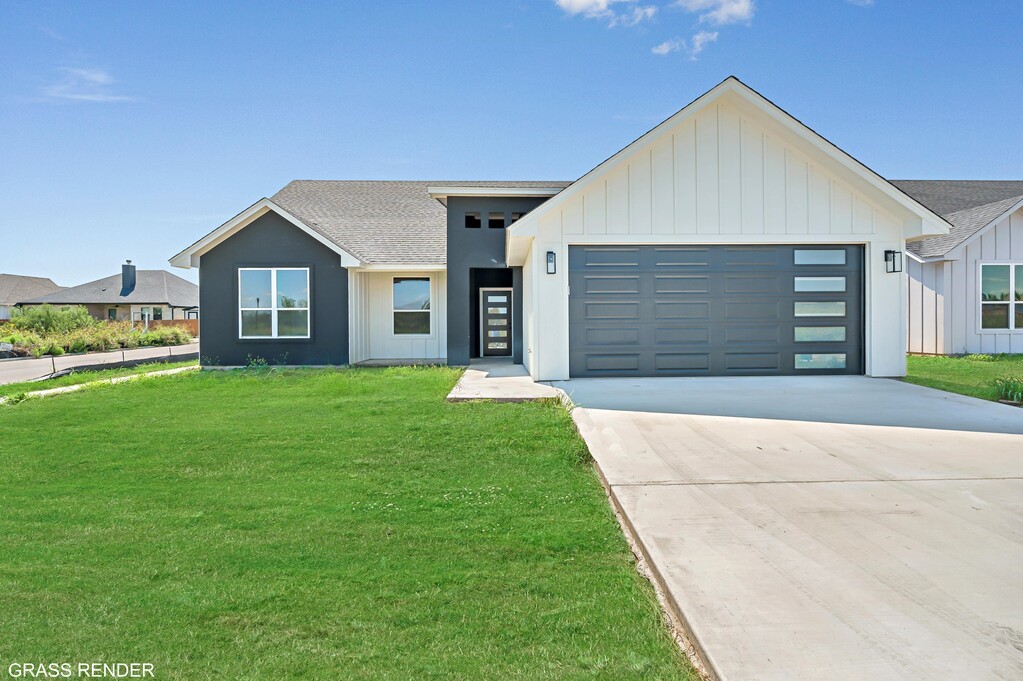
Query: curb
[{"x": 105, "y": 381}]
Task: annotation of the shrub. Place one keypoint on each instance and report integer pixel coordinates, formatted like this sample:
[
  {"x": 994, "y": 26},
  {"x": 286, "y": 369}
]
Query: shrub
[
  {"x": 97, "y": 337},
  {"x": 1010, "y": 388},
  {"x": 49, "y": 319}
]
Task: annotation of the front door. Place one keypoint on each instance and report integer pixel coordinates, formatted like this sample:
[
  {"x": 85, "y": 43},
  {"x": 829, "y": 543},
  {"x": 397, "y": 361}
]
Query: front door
[{"x": 495, "y": 320}]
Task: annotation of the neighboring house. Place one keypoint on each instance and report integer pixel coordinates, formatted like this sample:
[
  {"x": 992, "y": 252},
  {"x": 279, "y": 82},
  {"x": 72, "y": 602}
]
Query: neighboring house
[
  {"x": 132, "y": 294},
  {"x": 729, "y": 240},
  {"x": 15, "y": 288},
  {"x": 966, "y": 288}
]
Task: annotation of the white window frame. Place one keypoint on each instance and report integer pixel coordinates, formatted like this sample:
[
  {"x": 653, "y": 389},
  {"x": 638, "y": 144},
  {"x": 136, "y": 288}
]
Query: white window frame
[
  {"x": 273, "y": 298},
  {"x": 429, "y": 279},
  {"x": 1011, "y": 302}
]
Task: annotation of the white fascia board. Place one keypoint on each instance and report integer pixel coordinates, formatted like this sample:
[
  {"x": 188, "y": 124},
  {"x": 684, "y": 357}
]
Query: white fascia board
[
  {"x": 404, "y": 267},
  {"x": 930, "y": 223},
  {"x": 516, "y": 249},
  {"x": 442, "y": 192},
  {"x": 190, "y": 256},
  {"x": 922, "y": 259}
]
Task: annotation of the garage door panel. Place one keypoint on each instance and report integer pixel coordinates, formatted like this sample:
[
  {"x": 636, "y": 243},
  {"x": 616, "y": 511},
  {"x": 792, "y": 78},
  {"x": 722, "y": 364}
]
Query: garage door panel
[
  {"x": 749, "y": 310},
  {"x": 620, "y": 285},
  {"x": 681, "y": 283},
  {"x": 682, "y": 362},
  {"x": 684, "y": 258}
]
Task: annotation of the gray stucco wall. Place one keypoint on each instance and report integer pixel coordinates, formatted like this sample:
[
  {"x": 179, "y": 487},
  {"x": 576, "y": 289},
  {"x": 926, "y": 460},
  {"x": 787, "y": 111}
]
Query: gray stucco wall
[
  {"x": 272, "y": 241},
  {"x": 478, "y": 248}
]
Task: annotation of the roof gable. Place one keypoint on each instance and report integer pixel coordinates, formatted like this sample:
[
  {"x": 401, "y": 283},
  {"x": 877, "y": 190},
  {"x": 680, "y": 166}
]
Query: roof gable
[
  {"x": 190, "y": 256},
  {"x": 915, "y": 219}
]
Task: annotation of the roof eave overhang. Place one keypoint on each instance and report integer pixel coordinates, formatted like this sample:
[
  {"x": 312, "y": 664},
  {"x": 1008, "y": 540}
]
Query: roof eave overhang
[
  {"x": 190, "y": 257},
  {"x": 442, "y": 192},
  {"x": 400, "y": 267}
]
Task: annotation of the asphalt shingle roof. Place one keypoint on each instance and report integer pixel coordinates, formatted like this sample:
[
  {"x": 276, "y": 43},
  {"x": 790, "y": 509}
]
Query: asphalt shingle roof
[
  {"x": 381, "y": 222},
  {"x": 151, "y": 287},
  {"x": 14, "y": 288},
  {"x": 969, "y": 205}
]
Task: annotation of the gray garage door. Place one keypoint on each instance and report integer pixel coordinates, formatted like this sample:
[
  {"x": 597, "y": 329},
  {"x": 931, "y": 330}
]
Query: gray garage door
[{"x": 715, "y": 310}]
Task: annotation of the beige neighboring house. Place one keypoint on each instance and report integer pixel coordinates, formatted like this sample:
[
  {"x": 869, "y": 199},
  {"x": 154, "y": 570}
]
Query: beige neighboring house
[
  {"x": 14, "y": 288},
  {"x": 133, "y": 294}
]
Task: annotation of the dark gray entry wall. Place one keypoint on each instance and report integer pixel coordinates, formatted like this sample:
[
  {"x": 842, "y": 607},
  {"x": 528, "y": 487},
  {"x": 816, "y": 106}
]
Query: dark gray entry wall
[
  {"x": 272, "y": 241},
  {"x": 478, "y": 248},
  {"x": 715, "y": 310}
]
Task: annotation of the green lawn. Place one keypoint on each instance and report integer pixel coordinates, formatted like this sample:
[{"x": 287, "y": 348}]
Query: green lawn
[
  {"x": 319, "y": 525},
  {"x": 968, "y": 375},
  {"x": 86, "y": 376}
]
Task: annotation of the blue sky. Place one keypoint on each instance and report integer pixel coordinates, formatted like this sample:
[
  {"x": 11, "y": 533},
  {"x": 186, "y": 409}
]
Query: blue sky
[{"x": 128, "y": 130}]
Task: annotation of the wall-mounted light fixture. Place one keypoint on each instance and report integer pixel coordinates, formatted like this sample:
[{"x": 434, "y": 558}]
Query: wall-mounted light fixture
[
  {"x": 892, "y": 261},
  {"x": 552, "y": 264}
]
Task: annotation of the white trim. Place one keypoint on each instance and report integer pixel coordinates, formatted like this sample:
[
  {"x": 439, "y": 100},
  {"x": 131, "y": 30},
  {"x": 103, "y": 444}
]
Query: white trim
[
  {"x": 189, "y": 257},
  {"x": 1011, "y": 302},
  {"x": 400, "y": 268},
  {"x": 926, "y": 221},
  {"x": 442, "y": 192},
  {"x": 957, "y": 252},
  {"x": 511, "y": 316},
  {"x": 273, "y": 309},
  {"x": 430, "y": 280}
]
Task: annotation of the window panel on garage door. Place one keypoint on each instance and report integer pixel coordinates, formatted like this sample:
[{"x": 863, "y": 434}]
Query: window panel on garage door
[{"x": 715, "y": 310}]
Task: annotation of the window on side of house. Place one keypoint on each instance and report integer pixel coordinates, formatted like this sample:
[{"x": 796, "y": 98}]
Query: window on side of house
[
  {"x": 273, "y": 302},
  {"x": 157, "y": 313},
  {"x": 495, "y": 221},
  {"x": 112, "y": 314},
  {"x": 473, "y": 221},
  {"x": 1001, "y": 296},
  {"x": 411, "y": 306}
]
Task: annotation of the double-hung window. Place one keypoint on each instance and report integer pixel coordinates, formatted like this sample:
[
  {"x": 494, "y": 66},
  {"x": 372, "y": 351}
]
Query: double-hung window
[
  {"x": 411, "y": 306},
  {"x": 273, "y": 302},
  {"x": 1001, "y": 296}
]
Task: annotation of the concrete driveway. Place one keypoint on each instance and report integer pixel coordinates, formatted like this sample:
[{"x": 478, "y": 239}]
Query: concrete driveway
[{"x": 822, "y": 527}]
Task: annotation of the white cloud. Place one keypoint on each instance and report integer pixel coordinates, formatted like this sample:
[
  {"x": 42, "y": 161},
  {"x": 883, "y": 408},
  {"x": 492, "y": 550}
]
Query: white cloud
[
  {"x": 692, "y": 48},
  {"x": 84, "y": 85},
  {"x": 629, "y": 14},
  {"x": 720, "y": 12}
]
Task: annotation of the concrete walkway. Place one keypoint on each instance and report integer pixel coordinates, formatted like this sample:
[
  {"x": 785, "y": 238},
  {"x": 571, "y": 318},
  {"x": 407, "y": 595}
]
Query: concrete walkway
[
  {"x": 822, "y": 527},
  {"x": 501, "y": 381}
]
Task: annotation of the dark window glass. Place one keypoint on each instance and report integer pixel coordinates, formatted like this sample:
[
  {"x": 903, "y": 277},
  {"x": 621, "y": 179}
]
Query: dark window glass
[
  {"x": 472, "y": 221},
  {"x": 994, "y": 316},
  {"x": 496, "y": 221}
]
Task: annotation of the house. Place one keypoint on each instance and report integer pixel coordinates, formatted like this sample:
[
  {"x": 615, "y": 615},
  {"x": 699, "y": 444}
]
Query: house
[
  {"x": 966, "y": 288},
  {"x": 132, "y": 294},
  {"x": 729, "y": 240},
  {"x": 14, "y": 288}
]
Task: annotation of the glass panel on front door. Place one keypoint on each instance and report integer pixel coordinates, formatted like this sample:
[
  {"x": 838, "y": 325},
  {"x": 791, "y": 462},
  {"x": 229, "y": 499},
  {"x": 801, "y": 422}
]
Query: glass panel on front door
[{"x": 495, "y": 323}]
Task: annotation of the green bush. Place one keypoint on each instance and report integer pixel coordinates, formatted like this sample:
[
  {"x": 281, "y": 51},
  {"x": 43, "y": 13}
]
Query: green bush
[
  {"x": 98, "y": 337},
  {"x": 49, "y": 319},
  {"x": 1010, "y": 388}
]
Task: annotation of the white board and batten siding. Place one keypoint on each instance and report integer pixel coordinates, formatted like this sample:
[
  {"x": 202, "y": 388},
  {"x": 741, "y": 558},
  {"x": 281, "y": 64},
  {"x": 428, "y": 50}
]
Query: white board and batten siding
[
  {"x": 728, "y": 173},
  {"x": 926, "y": 307},
  {"x": 1001, "y": 242},
  {"x": 371, "y": 332}
]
